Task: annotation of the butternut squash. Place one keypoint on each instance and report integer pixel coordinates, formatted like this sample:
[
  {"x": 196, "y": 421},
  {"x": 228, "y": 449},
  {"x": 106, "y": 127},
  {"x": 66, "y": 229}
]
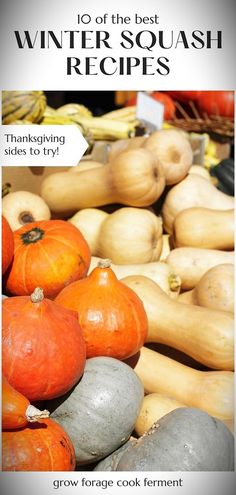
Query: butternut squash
[
  {"x": 215, "y": 290},
  {"x": 155, "y": 406},
  {"x": 85, "y": 165},
  {"x": 173, "y": 150},
  {"x": 22, "y": 207},
  {"x": 194, "y": 190},
  {"x": 192, "y": 263},
  {"x": 158, "y": 271},
  {"x": 211, "y": 391},
  {"x": 133, "y": 178},
  {"x": 89, "y": 221},
  {"x": 123, "y": 145},
  {"x": 200, "y": 170},
  {"x": 166, "y": 246},
  {"x": 204, "y": 334},
  {"x": 130, "y": 235},
  {"x": 188, "y": 297},
  {"x": 204, "y": 228}
]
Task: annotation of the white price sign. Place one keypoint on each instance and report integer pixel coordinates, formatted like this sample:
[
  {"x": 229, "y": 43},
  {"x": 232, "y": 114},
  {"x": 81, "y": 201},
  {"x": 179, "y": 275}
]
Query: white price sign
[{"x": 149, "y": 111}]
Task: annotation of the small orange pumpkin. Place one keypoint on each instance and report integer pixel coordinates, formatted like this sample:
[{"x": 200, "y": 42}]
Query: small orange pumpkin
[
  {"x": 48, "y": 254},
  {"x": 7, "y": 244},
  {"x": 43, "y": 446},
  {"x": 43, "y": 350},
  {"x": 112, "y": 318},
  {"x": 16, "y": 408}
]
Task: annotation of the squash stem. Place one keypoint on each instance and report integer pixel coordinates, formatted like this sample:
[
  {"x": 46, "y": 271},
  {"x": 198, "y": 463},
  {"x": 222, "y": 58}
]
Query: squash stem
[
  {"x": 104, "y": 263},
  {"x": 33, "y": 414},
  {"x": 37, "y": 296},
  {"x": 174, "y": 282}
]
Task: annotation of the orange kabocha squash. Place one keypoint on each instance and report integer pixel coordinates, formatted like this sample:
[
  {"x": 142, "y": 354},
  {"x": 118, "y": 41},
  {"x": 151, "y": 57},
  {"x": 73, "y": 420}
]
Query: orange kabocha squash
[
  {"x": 43, "y": 446},
  {"x": 49, "y": 254},
  {"x": 7, "y": 244},
  {"x": 112, "y": 318},
  {"x": 16, "y": 408},
  {"x": 43, "y": 350}
]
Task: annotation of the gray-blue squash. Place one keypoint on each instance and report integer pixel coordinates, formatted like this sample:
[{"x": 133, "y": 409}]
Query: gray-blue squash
[
  {"x": 111, "y": 461},
  {"x": 100, "y": 412},
  {"x": 185, "y": 439}
]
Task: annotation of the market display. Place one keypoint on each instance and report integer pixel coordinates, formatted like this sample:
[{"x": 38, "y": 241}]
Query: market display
[{"x": 118, "y": 295}]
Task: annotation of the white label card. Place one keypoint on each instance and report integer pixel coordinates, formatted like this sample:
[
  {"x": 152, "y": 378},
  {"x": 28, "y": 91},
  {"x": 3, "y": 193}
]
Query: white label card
[{"x": 149, "y": 111}]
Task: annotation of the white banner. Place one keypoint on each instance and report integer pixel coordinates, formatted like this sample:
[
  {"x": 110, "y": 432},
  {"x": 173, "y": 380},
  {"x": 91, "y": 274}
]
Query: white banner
[
  {"x": 99, "y": 483},
  {"x": 41, "y": 145}
]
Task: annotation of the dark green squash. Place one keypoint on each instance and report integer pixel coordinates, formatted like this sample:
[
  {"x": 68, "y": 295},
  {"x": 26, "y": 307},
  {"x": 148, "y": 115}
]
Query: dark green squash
[{"x": 224, "y": 172}]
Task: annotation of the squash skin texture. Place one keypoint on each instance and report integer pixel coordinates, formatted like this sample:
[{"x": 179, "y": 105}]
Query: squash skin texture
[
  {"x": 131, "y": 235},
  {"x": 192, "y": 191},
  {"x": 185, "y": 439},
  {"x": 43, "y": 446},
  {"x": 43, "y": 349},
  {"x": 192, "y": 263},
  {"x": 205, "y": 334},
  {"x": 49, "y": 254},
  {"x": 110, "y": 462},
  {"x": 7, "y": 244},
  {"x": 214, "y": 290},
  {"x": 174, "y": 152},
  {"x": 111, "y": 315},
  {"x": 134, "y": 178},
  {"x": 99, "y": 414},
  {"x": 204, "y": 228},
  {"x": 210, "y": 391}
]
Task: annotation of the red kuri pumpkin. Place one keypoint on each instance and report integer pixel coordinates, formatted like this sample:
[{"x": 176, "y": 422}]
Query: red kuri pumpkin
[
  {"x": 43, "y": 350},
  {"x": 48, "y": 254},
  {"x": 217, "y": 103},
  {"x": 43, "y": 446},
  {"x": 112, "y": 318},
  {"x": 16, "y": 408},
  {"x": 185, "y": 96},
  {"x": 7, "y": 244}
]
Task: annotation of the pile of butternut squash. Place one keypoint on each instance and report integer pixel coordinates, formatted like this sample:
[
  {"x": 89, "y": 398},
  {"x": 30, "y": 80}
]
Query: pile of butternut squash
[{"x": 169, "y": 233}]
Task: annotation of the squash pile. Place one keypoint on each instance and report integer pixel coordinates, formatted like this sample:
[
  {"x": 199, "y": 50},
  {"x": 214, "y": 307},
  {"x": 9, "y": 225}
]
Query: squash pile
[{"x": 118, "y": 315}]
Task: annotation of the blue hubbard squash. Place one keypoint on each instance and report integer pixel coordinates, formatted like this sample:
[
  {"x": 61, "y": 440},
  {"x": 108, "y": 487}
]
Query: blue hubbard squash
[
  {"x": 185, "y": 439},
  {"x": 100, "y": 412}
]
